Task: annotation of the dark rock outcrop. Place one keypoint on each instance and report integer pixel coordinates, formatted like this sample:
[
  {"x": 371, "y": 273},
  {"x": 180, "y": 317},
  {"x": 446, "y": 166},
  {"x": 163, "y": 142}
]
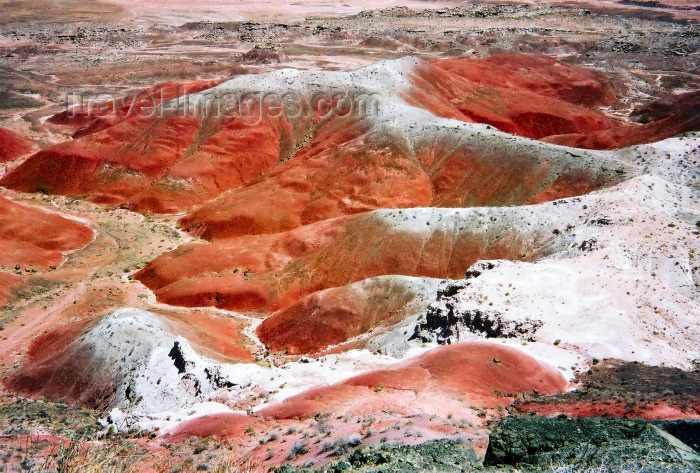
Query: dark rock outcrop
[
  {"x": 446, "y": 322},
  {"x": 446, "y": 325},
  {"x": 588, "y": 443}
]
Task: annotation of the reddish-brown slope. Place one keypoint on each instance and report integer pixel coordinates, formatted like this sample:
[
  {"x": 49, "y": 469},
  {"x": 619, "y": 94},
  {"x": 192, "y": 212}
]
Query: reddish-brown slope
[
  {"x": 33, "y": 237},
  {"x": 12, "y": 145},
  {"x": 539, "y": 97},
  {"x": 109, "y": 165},
  {"x": 662, "y": 119},
  {"x": 7, "y": 282},
  {"x": 85, "y": 117},
  {"x": 540, "y": 74},
  {"x": 335, "y": 315},
  {"x": 58, "y": 367},
  {"x": 220, "y": 425},
  {"x": 531, "y": 96},
  {"x": 455, "y": 376},
  {"x": 270, "y": 272},
  {"x": 348, "y": 168},
  {"x": 218, "y": 337},
  {"x": 159, "y": 164},
  {"x": 492, "y": 175}
]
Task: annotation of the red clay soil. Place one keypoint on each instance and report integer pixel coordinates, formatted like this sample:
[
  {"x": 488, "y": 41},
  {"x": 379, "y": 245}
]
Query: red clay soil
[
  {"x": 157, "y": 164},
  {"x": 7, "y": 283},
  {"x": 539, "y": 74},
  {"x": 271, "y": 272},
  {"x": 474, "y": 374},
  {"x": 34, "y": 237},
  {"x": 59, "y": 367},
  {"x": 348, "y": 169},
  {"x": 335, "y": 315},
  {"x": 85, "y": 119},
  {"x": 528, "y": 95},
  {"x": 12, "y": 145},
  {"x": 662, "y": 119},
  {"x": 216, "y": 336},
  {"x": 538, "y": 97},
  {"x": 219, "y": 425},
  {"x": 170, "y": 164}
]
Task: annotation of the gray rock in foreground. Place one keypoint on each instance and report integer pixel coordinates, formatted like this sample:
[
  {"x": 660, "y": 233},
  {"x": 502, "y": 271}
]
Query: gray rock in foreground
[
  {"x": 529, "y": 444},
  {"x": 591, "y": 444}
]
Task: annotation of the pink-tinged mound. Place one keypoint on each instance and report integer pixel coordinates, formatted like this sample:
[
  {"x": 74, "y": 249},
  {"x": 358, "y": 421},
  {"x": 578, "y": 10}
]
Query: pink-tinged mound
[
  {"x": 450, "y": 390},
  {"x": 446, "y": 380},
  {"x": 13, "y": 146},
  {"x": 218, "y": 425},
  {"x": 271, "y": 272},
  {"x": 335, "y": 315},
  {"x": 34, "y": 237}
]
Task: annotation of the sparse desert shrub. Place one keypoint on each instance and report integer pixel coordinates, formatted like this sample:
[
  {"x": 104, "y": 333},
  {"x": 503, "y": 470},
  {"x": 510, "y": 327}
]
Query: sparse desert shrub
[
  {"x": 323, "y": 427},
  {"x": 299, "y": 448},
  {"x": 327, "y": 446},
  {"x": 464, "y": 423},
  {"x": 343, "y": 444}
]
